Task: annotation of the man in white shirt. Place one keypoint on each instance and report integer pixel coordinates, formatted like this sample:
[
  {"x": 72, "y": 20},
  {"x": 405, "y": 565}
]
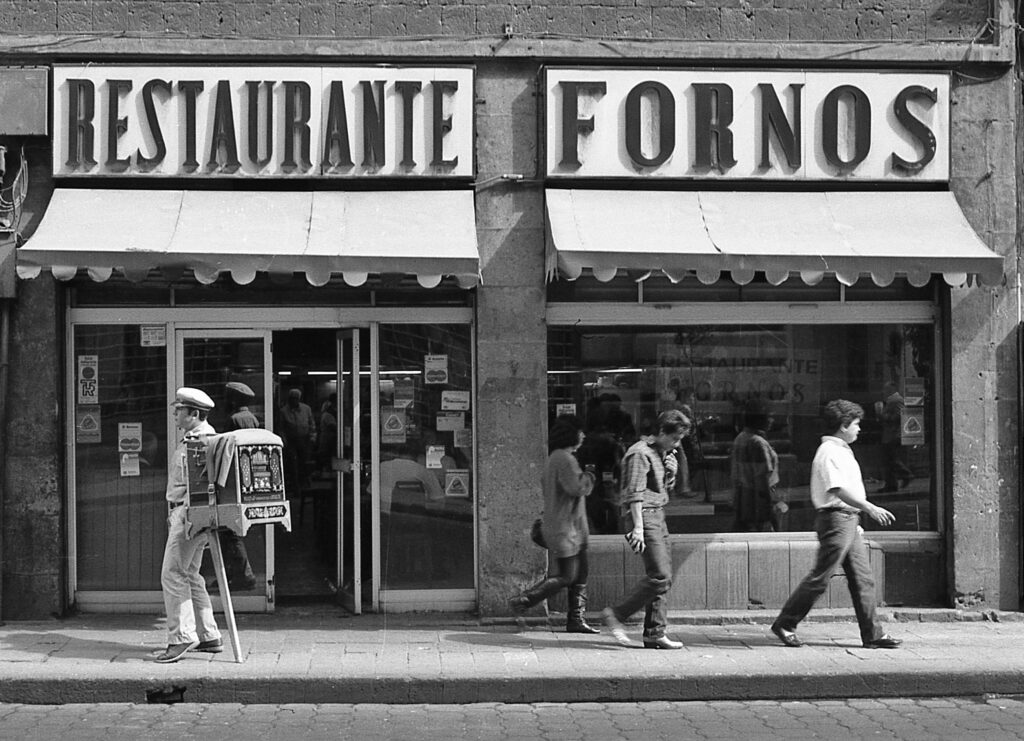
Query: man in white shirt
[{"x": 837, "y": 492}]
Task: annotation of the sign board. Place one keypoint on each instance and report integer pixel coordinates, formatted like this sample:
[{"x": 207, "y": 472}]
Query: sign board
[
  {"x": 752, "y": 124},
  {"x": 88, "y": 379},
  {"x": 202, "y": 122}
]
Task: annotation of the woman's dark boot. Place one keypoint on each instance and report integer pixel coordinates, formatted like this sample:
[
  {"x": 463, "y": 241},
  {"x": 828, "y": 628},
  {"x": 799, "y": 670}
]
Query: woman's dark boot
[
  {"x": 525, "y": 600},
  {"x": 575, "y": 621}
]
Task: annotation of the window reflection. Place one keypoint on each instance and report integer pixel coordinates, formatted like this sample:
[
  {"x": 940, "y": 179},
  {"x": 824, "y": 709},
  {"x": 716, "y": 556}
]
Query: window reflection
[{"x": 618, "y": 379}]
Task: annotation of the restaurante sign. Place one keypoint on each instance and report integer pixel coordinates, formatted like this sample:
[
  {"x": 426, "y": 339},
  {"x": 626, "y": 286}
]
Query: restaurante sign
[{"x": 348, "y": 122}]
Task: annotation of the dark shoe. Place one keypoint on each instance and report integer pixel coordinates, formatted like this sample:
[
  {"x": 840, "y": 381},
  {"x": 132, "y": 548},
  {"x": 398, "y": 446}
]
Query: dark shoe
[
  {"x": 787, "y": 637},
  {"x": 212, "y": 646},
  {"x": 519, "y": 604},
  {"x": 581, "y": 626},
  {"x": 886, "y": 641},
  {"x": 175, "y": 651},
  {"x": 663, "y": 642},
  {"x": 887, "y": 489}
]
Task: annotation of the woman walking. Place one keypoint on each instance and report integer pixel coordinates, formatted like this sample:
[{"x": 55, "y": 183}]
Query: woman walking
[{"x": 564, "y": 527}]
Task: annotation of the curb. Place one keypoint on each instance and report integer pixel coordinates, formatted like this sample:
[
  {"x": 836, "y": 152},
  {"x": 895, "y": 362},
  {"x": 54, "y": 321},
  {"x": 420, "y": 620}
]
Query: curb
[{"x": 468, "y": 690}]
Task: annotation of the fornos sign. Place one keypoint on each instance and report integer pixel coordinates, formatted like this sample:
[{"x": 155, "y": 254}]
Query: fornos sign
[
  {"x": 762, "y": 125},
  {"x": 295, "y": 122}
]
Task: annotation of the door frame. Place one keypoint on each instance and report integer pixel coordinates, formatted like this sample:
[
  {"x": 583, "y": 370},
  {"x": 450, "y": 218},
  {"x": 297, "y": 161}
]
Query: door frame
[
  {"x": 263, "y": 318},
  {"x": 241, "y": 602}
]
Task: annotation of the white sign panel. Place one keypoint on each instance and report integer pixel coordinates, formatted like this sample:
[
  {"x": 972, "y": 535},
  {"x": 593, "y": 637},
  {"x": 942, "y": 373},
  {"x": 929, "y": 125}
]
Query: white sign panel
[
  {"x": 753, "y": 124},
  {"x": 284, "y": 122},
  {"x": 88, "y": 379}
]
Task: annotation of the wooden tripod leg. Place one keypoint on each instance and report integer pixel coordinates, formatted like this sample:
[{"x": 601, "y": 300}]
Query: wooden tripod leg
[{"x": 225, "y": 593}]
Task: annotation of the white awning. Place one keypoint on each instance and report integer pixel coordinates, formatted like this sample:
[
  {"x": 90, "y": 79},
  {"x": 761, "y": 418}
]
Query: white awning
[
  {"x": 883, "y": 234},
  {"x": 429, "y": 234}
]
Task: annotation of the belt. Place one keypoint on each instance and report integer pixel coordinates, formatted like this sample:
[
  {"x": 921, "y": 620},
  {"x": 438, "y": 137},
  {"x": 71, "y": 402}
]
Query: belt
[
  {"x": 844, "y": 510},
  {"x": 651, "y": 509},
  {"x": 174, "y": 505}
]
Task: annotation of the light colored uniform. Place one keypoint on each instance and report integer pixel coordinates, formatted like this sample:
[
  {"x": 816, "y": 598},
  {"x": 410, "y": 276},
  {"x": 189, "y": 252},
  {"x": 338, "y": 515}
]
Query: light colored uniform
[{"x": 187, "y": 604}]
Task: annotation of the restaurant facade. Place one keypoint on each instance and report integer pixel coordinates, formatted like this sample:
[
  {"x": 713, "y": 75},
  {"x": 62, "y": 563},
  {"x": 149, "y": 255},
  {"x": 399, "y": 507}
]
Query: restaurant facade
[{"x": 442, "y": 245}]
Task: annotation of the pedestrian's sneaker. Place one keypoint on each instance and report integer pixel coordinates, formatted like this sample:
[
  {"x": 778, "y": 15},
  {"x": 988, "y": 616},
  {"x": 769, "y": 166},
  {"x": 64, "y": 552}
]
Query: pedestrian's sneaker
[
  {"x": 212, "y": 646},
  {"x": 175, "y": 651},
  {"x": 618, "y": 631}
]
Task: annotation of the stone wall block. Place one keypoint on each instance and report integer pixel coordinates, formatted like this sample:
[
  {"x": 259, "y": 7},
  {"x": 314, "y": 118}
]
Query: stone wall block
[
  {"x": 771, "y": 25},
  {"x": 737, "y": 24},
  {"x": 112, "y": 17},
  {"x": 458, "y": 20},
  {"x": 600, "y": 21},
  {"x": 405, "y": 20},
  {"x": 669, "y": 23},
  {"x": 704, "y": 24},
  {"x": 511, "y": 257},
  {"x": 352, "y": 20},
  {"x": 74, "y": 16},
  {"x": 28, "y": 17},
  {"x": 551, "y": 19},
  {"x": 34, "y": 383},
  {"x": 317, "y": 18}
]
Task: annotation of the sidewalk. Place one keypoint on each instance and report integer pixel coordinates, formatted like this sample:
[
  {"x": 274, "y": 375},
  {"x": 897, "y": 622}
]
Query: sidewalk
[{"x": 323, "y": 655}]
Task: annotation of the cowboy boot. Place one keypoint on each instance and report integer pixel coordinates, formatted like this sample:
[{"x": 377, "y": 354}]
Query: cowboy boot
[
  {"x": 527, "y": 599},
  {"x": 575, "y": 622}
]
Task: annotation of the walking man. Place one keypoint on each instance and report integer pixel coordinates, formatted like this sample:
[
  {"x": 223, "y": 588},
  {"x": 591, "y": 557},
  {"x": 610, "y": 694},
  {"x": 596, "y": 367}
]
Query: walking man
[
  {"x": 190, "y": 620},
  {"x": 837, "y": 492},
  {"x": 648, "y": 473}
]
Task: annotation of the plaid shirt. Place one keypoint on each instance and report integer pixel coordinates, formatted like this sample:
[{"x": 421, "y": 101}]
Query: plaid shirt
[{"x": 648, "y": 475}]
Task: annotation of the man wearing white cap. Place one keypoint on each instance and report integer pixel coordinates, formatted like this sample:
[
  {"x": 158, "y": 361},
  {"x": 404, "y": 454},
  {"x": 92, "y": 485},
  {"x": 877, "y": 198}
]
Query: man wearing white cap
[{"x": 190, "y": 620}]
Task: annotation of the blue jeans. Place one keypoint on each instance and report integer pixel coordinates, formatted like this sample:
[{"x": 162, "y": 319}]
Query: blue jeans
[
  {"x": 839, "y": 542},
  {"x": 650, "y": 593}
]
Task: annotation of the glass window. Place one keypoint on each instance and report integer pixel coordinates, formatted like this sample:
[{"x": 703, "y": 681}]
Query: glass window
[
  {"x": 426, "y": 454},
  {"x": 617, "y": 380},
  {"x": 120, "y": 442}
]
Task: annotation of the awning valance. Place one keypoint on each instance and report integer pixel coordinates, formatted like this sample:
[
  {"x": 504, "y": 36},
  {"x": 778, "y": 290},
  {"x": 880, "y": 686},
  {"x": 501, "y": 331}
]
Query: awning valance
[
  {"x": 883, "y": 234},
  {"x": 429, "y": 234}
]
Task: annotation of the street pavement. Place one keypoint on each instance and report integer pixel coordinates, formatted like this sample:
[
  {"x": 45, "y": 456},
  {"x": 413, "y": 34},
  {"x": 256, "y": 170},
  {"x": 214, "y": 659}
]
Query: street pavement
[
  {"x": 322, "y": 655},
  {"x": 885, "y": 719}
]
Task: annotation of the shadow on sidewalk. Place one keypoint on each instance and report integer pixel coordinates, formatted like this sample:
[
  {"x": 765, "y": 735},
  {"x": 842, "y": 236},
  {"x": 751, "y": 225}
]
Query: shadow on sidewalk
[{"x": 527, "y": 641}]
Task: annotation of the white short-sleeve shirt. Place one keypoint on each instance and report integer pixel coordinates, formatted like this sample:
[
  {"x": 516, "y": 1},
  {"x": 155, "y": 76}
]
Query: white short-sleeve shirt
[{"x": 834, "y": 466}]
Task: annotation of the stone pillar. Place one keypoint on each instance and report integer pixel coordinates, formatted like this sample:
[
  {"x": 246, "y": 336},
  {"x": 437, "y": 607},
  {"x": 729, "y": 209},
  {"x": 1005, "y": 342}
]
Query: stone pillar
[
  {"x": 34, "y": 554},
  {"x": 985, "y": 519},
  {"x": 511, "y": 334}
]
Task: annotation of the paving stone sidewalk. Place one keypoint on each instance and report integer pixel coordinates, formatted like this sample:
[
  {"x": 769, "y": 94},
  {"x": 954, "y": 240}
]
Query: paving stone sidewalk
[{"x": 323, "y": 655}]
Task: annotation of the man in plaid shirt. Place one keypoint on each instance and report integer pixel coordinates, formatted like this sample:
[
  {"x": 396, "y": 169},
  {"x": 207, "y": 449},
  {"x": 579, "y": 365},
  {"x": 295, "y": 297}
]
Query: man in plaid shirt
[{"x": 649, "y": 471}]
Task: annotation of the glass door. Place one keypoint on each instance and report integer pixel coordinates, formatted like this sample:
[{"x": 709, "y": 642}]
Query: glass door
[
  {"x": 350, "y": 461},
  {"x": 232, "y": 367}
]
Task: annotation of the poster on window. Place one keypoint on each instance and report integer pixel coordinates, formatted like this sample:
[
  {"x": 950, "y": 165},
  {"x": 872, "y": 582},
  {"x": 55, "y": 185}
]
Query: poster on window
[
  {"x": 393, "y": 425},
  {"x": 435, "y": 369},
  {"x": 911, "y": 426},
  {"x": 88, "y": 379},
  {"x": 87, "y": 424},
  {"x": 718, "y": 378}
]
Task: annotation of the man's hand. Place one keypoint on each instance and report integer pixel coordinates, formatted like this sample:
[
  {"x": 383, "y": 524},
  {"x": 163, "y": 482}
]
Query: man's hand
[
  {"x": 881, "y": 515},
  {"x": 635, "y": 538},
  {"x": 780, "y": 508}
]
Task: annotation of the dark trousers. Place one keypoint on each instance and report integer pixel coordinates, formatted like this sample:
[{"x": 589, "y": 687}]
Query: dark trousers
[
  {"x": 567, "y": 572},
  {"x": 650, "y": 593},
  {"x": 839, "y": 542}
]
